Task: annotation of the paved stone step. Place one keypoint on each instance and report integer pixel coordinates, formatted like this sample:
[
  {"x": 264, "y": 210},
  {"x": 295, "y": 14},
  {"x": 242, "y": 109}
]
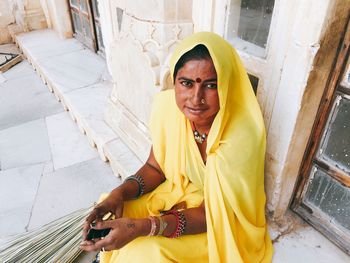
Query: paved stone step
[{"x": 79, "y": 79}]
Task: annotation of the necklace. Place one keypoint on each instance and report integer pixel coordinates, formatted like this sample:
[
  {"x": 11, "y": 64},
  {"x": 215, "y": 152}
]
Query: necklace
[{"x": 200, "y": 138}]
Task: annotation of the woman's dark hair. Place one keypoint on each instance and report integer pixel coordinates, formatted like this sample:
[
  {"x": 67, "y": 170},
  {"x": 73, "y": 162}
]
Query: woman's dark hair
[{"x": 197, "y": 53}]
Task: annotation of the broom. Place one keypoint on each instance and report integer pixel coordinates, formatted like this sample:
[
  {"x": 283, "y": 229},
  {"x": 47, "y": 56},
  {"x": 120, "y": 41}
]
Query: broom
[{"x": 57, "y": 241}]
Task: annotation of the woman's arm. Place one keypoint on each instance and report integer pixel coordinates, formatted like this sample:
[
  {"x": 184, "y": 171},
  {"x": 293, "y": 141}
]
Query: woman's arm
[
  {"x": 195, "y": 221},
  {"x": 151, "y": 174},
  {"x": 124, "y": 230}
]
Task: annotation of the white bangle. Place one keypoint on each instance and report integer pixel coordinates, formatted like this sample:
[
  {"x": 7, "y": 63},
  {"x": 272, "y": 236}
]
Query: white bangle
[{"x": 153, "y": 226}]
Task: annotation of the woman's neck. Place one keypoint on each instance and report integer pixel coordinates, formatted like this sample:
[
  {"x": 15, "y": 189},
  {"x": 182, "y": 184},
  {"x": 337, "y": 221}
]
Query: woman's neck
[{"x": 202, "y": 127}]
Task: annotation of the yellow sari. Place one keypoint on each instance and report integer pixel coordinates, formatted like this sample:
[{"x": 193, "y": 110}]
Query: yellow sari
[{"x": 231, "y": 182}]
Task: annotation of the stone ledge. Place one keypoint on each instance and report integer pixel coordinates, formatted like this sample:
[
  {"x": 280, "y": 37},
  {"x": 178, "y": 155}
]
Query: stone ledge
[
  {"x": 83, "y": 94},
  {"x": 123, "y": 161}
]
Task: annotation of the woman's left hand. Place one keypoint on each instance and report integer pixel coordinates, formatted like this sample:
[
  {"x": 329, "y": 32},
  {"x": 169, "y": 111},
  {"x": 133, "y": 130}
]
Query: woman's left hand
[{"x": 123, "y": 231}]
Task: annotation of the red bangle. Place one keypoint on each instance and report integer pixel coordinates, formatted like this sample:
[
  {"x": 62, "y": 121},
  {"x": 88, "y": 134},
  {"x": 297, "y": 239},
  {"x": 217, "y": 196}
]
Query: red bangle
[{"x": 180, "y": 223}]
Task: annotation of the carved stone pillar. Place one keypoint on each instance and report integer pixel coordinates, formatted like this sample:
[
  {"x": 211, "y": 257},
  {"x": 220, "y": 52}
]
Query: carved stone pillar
[{"x": 147, "y": 33}]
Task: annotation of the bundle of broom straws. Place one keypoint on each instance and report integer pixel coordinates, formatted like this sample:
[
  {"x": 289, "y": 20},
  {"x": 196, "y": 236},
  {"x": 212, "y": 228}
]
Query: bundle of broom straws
[{"x": 57, "y": 241}]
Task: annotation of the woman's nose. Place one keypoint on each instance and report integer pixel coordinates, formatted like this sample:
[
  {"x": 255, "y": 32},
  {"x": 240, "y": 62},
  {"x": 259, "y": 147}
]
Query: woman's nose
[{"x": 197, "y": 95}]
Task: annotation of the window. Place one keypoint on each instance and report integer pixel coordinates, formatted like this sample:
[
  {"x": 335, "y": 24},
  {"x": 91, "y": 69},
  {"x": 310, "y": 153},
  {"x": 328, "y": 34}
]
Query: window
[
  {"x": 323, "y": 195},
  {"x": 86, "y": 24},
  {"x": 249, "y": 25},
  {"x": 254, "y": 81},
  {"x": 97, "y": 23},
  {"x": 82, "y": 22}
]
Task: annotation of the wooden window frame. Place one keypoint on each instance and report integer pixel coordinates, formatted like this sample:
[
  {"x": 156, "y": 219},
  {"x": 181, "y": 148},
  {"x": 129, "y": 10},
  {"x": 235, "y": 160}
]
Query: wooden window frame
[
  {"x": 89, "y": 16},
  {"x": 96, "y": 21},
  {"x": 336, "y": 234}
]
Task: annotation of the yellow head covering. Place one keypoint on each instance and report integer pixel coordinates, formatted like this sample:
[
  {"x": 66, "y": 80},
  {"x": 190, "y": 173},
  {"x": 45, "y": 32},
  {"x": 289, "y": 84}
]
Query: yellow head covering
[{"x": 232, "y": 181}]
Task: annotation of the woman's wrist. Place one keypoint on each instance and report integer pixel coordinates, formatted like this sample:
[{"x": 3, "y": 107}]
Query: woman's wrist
[
  {"x": 151, "y": 225},
  {"x": 143, "y": 226},
  {"x": 117, "y": 194},
  {"x": 171, "y": 225},
  {"x": 126, "y": 191}
]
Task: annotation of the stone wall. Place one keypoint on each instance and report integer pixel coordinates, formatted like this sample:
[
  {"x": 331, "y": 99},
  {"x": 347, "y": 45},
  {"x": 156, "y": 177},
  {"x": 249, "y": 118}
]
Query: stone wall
[
  {"x": 6, "y": 18},
  {"x": 58, "y": 17},
  {"x": 28, "y": 14},
  {"x": 149, "y": 30}
]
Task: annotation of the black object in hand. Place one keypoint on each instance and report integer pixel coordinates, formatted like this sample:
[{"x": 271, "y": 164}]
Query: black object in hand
[{"x": 97, "y": 233}]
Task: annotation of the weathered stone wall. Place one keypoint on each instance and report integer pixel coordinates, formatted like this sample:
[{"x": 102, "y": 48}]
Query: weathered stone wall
[
  {"x": 28, "y": 14},
  {"x": 6, "y": 18}
]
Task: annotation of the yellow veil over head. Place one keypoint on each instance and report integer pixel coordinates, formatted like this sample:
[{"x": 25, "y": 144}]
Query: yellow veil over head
[{"x": 232, "y": 180}]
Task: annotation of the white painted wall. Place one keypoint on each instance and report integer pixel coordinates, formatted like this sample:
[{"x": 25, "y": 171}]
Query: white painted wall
[
  {"x": 305, "y": 37},
  {"x": 283, "y": 73}
]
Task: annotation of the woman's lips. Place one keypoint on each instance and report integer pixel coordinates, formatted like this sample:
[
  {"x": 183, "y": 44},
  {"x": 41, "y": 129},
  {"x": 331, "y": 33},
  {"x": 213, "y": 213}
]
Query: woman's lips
[{"x": 195, "y": 111}]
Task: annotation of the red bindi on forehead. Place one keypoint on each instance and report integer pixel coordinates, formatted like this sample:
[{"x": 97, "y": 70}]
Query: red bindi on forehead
[{"x": 198, "y": 80}]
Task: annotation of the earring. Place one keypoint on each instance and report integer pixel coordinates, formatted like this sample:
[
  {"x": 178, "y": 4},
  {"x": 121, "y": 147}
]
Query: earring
[{"x": 202, "y": 101}]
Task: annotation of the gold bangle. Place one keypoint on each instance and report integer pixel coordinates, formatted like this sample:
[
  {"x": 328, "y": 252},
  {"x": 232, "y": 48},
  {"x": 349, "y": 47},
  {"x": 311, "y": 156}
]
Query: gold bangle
[{"x": 162, "y": 225}]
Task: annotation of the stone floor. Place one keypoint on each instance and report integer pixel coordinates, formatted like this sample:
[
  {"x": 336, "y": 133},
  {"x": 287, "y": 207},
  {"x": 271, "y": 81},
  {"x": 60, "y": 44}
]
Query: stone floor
[{"x": 48, "y": 168}]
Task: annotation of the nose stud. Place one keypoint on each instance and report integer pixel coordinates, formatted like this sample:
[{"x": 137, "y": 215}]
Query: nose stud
[{"x": 202, "y": 101}]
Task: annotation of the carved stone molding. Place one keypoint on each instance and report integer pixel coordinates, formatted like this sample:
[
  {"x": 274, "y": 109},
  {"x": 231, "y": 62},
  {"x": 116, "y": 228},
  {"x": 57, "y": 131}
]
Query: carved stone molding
[
  {"x": 138, "y": 62},
  {"x": 154, "y": 40}
]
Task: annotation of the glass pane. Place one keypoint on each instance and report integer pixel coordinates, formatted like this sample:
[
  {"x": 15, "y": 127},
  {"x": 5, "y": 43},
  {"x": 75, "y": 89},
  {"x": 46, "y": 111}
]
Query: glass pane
[
  {"x": 254, "y": 81},
  {"x": 87, "y": 28},
  {"x": 346, "y": 79},
  {"x": 249, "y": 24},
  {"x": 99, "y": 37},
  {"x": 95, "y": 8},
  {"x": 84, "y": 6},
  {"x": 74, "y": 3},
  {"x": 76, "y": 22},
  {"x": 329, "y": 196},
  {"x": 335, "y": 146}
]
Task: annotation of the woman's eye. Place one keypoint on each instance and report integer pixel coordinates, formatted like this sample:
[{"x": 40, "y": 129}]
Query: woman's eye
[
  {"x": 186, "y": 83},
  {"x": 211, "y": 86}
]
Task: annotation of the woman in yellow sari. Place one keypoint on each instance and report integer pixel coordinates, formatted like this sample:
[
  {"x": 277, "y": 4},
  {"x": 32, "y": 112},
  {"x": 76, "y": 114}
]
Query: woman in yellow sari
[{"x": 200, "y": 195}]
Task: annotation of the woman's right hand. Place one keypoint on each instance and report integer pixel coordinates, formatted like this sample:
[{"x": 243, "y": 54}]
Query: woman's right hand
[{"x": 114, "y": 204}]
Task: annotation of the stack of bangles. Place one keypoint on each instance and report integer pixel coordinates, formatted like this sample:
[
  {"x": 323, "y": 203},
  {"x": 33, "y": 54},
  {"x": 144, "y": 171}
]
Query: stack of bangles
[
  {"x": 180, "y": 224},
  {"x": 180, "y": 217},
  {"x": 141, "y": 184}
]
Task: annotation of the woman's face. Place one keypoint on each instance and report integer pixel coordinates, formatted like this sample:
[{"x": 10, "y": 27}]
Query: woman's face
[{"x": 196, "y": 91}]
